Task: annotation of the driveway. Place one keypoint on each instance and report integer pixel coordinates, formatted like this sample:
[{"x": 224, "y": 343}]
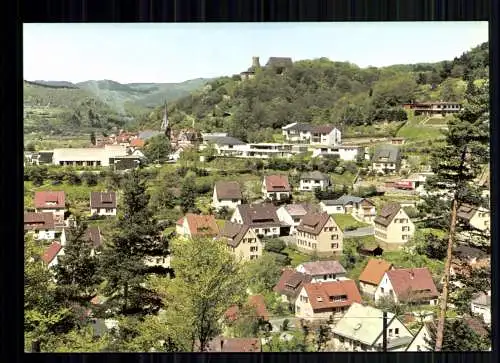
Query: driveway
[{"x": 360, "y": 232}]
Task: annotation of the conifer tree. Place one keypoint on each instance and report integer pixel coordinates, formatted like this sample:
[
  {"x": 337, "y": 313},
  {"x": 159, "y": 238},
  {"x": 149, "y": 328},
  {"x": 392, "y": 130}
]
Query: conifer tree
[
  {"x": 76, "y": 271},
  {"x": 136, "y": 237},
  {"x": 456, "y": 166}
]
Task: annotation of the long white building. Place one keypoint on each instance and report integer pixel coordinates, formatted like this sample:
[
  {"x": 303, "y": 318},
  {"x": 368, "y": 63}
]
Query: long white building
[
  {"x": 345, "y": 152},
  {"x": 87, "y": 156}
]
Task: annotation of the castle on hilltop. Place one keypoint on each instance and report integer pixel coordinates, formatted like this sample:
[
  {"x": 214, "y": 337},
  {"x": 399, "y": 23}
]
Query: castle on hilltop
[{"x": 279, "y": 64}]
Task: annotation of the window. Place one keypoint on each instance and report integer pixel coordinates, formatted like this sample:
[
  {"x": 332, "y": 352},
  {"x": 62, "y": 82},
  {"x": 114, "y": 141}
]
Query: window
[
  {"x": 390, "y": 332},
  {"x": 382, "y": 290},
  {"x": 253, "y": 249},
  {"x": 334, "y": 245},
  {"x": 334, "y": 236},
  {"x": 109, "y": 210},
  {"x": 325, "y": 277},
  {"x": 396, "y": 331}
]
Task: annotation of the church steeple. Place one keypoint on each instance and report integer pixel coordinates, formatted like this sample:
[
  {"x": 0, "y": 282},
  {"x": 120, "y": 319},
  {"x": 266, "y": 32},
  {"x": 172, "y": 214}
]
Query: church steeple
[{"x": 165, "y": 124}]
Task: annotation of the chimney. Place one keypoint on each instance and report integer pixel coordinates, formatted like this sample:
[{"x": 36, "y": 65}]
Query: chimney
[{"x": 255, "y": 62}]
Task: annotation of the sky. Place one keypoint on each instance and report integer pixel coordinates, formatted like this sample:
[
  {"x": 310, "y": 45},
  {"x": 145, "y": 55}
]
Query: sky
[{"x": 167, "y": 53}]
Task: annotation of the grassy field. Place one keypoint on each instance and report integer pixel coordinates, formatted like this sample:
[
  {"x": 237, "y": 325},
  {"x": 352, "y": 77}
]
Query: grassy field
[
  {"x": 296, "y": 256},
  {"x": 346, "y": 220},
  {"x": 437, "y": 121},
  {"x": 402, "y": 259}
]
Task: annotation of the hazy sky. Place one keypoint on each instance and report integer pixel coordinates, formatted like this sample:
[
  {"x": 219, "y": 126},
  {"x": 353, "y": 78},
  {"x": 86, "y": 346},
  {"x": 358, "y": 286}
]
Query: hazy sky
[{"x": 137, "y": 52}]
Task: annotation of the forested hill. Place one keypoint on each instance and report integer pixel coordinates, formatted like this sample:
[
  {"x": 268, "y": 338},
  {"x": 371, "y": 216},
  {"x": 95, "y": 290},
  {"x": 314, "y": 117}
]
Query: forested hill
[{"x": 322, "y": 91}]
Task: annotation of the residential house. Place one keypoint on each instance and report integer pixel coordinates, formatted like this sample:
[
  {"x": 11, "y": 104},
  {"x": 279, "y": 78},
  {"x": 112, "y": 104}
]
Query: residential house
[
  {"x": 325, "y": 135},
  {"x": 256, "y": 302},
  {"x": 51, "y": 202},
  {"x": 422, "y": 340},
  {"x": 361, "y": 330},
  {"x": 344, "y": 152},
  {"x": 41, "y": 224},
  {"x": 103, "y": 203},
  {"x": 323, "y": 271},
  {"x": 434, "y": 109},
  {"x": 291, "y": 214},
  {"x": 51, "y": 254},
  {"x": 313, "y": 180},
  {"x": 234, "y": 345},
  {"x": 92, "y": 235},
  {"x": 326, "y": 299},
  {"x": 481, "y": 305},
  {"x": 392, "y": 225},
  {"x": 372, "y": 274},
  {"x": 386, "y": 159},
  {"x": 261, "y": 218},
  {"x": 360, "y": 208},
  {"x": 137, "y": 144},
  {"x": 96, "y": 156},
  {"x": 242, "y": 241},
  {"x": 297, "y": 132},
  {"x": 276, "y": 187},
  {"x": 290, "y": 284},
  {"x": 465, "y": 259},
  {"x": 413, "y": 285},
  {"x": 319, "y": 234},
  {"x": 226, "y": 194},
  {"x": 196, "y": 225},
  {"x": 476, "y": 217},
  {"x": 397, "y": 140}
]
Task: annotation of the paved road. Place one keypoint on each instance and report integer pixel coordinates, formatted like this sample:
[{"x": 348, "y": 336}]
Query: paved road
[{"x": 360, "y": 232}]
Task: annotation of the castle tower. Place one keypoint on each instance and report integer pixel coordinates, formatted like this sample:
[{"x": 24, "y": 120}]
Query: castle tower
[{"x": 255, "y": 62}]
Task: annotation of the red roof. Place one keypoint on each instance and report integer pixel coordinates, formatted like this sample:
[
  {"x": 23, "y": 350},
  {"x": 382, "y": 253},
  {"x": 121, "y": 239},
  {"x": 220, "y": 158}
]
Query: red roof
[
  {"x": 332, "y": 294},
  {"x": 202, "y": 225},
  {"x": 221, "y": 344},
  {"x": 374, "y": 271},
  {"x": 412, "y": 283},
  {"x": 137, "y": 143},
  {"x": 51, "y": 252},
  {"x": 290, "y": 282},
  {"x": 50, "y": 200},
  {"x": 277, "y": 183},
  {"x": 256, "y": 301},
  {"x": 34, "y": 221}
]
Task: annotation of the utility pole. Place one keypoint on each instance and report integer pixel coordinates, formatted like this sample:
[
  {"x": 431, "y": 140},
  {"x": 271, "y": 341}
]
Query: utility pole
[{"x": 384, "y": 333}]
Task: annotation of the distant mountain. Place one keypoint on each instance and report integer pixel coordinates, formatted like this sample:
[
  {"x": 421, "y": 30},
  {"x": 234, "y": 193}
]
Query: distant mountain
[{"x": 62, "y": 105}]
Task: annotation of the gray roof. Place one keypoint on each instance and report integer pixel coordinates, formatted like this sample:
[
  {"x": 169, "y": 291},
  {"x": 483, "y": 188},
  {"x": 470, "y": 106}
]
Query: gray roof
[
  {"x": 323, "y": 268},
  {"x": 259, "y": 215},
  {"x": 147, "y": 134},
  {"x": 298, "y": 126},
  {"x": 279, "y": 62},
  {"x": 315, "y": 175},
  {"x": 224, "y": 140},
  {"x": 233, "y": 233},
  {"x": 387, "y": 214},
  {"x": 391, "y": 152},
  {"x": 343, "y": 200}
]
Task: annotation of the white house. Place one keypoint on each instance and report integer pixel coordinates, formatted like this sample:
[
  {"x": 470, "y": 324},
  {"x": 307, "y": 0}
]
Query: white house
[
  {"x": 422, "y": 340},
  {"x": 297, "y": 132},
  {"x": 50, "y": 257},
  {"x": 226, "y": 194},
  {"x": 344, "y": 152},
  {"x": 261, "y": 218},
  {"x": 323, "y": 271},
  {"x": 291, "y": 214},
  {"x": 372, "y": 274},
  {"x": 481, "y": 305},
  {"x": 41, "y": 224},
  {"x": 408, "y": 285},
  {"x": 325, "y": 135},
  {"x": 276, "y": 187},
  {"x": 360, "y": 330},
  {"x": 360, "y": 208},
  {"x": 325, "y": 299},
  {"x": 103, "y": 203},
  {"x": 51, "y": 202},
  {"x": 313, "y": 180}
]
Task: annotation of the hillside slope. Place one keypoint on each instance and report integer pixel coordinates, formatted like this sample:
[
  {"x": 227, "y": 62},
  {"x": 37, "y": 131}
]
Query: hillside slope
[
  {"x": 321, "y": 91},
  {"x": 61, "y": 107}
]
